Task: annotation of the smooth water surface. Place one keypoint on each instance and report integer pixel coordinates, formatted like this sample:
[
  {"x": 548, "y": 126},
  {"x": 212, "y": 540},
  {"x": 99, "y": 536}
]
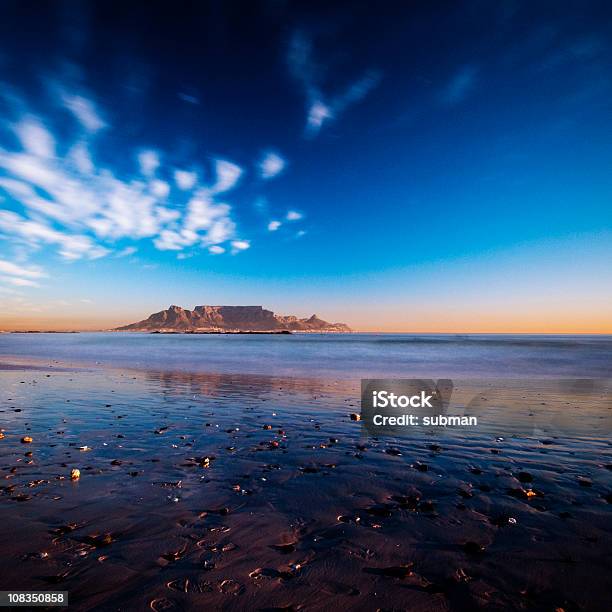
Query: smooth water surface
[{"x": 348, "y": 356}]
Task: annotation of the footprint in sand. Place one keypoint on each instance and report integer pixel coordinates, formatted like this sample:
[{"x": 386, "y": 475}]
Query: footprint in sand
[
  {"x": 230, "y": 587},
  {"x": 163, "y": 604},
  {"x": 187, "y": 585}
]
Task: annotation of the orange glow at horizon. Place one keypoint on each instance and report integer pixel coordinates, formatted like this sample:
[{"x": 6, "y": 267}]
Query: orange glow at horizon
[{"x": 386, "y": 320}]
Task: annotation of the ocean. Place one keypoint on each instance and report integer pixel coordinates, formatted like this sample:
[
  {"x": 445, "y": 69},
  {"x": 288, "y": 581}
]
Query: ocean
[{"x": 343, "y": 356}]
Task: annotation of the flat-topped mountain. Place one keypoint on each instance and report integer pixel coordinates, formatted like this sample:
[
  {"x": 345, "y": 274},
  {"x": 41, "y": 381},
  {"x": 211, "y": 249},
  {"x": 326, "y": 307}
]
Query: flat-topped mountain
[{"x": 230, "y": 319}]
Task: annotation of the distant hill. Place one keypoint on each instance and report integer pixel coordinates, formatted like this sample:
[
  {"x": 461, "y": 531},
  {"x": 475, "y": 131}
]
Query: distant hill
[{"x": 230, "y": 319}]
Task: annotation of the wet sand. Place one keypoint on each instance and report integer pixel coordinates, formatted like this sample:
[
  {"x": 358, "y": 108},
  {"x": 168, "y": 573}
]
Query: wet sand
[{"x": 251, "y": 492}]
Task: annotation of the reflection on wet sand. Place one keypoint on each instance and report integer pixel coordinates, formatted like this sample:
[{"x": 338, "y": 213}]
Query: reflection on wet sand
[{"x": 253, "y": 492}]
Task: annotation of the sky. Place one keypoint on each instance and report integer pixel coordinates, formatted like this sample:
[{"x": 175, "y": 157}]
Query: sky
[{"x": 417, "y": 167}]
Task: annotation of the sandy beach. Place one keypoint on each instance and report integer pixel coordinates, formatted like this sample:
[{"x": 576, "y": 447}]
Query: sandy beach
[{"x": 233, "y": 492}]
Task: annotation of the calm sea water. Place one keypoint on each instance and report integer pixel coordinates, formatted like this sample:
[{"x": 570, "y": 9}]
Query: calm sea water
[{"x": 345, "y": 356}]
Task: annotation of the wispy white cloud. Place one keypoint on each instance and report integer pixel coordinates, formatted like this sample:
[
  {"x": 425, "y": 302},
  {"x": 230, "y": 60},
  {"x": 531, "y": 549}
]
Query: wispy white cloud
[
  {"x": 159, "y": 188},
  {"x": 460, "y": 85},
  {"x": 13, "y": 269},
  {"x": 127, "y": 251},
  {"x": 318, "y": 114},
  {"x": 294, "y": 215},
  {"x": 271, "y": 165},
  {"x": 148, "y": 161},
  {"x": 215, "y": 249},
  {"x": 19, "y": 282},
  {"x": 228, "y": 175},
  {"x": 240, "y": 245},
  {"x": 35, "y": 233},
  {"x": 274, "y": 225},
  {"x": 34, "y": 137},
  {"x": 85, "y": 112},
  {"x": 171, "y": 240},
  {"x": 19, "y": 275},
  {"x": 79, "y": 154},
  {"x": 185, "y": 180},
  {"x": 221, "y": 230},
  {"x": 322, "y": 106}
]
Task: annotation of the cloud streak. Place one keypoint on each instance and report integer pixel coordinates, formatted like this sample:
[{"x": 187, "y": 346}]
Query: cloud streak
[
  {"x": 19, "y": 275},
  {"x": 323, "y": 107},
  {"x": 84, "y": 111}
]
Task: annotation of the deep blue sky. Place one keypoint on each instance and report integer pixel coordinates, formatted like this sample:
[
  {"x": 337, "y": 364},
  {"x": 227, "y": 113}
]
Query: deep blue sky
[{"x": 408, "y": 166}]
